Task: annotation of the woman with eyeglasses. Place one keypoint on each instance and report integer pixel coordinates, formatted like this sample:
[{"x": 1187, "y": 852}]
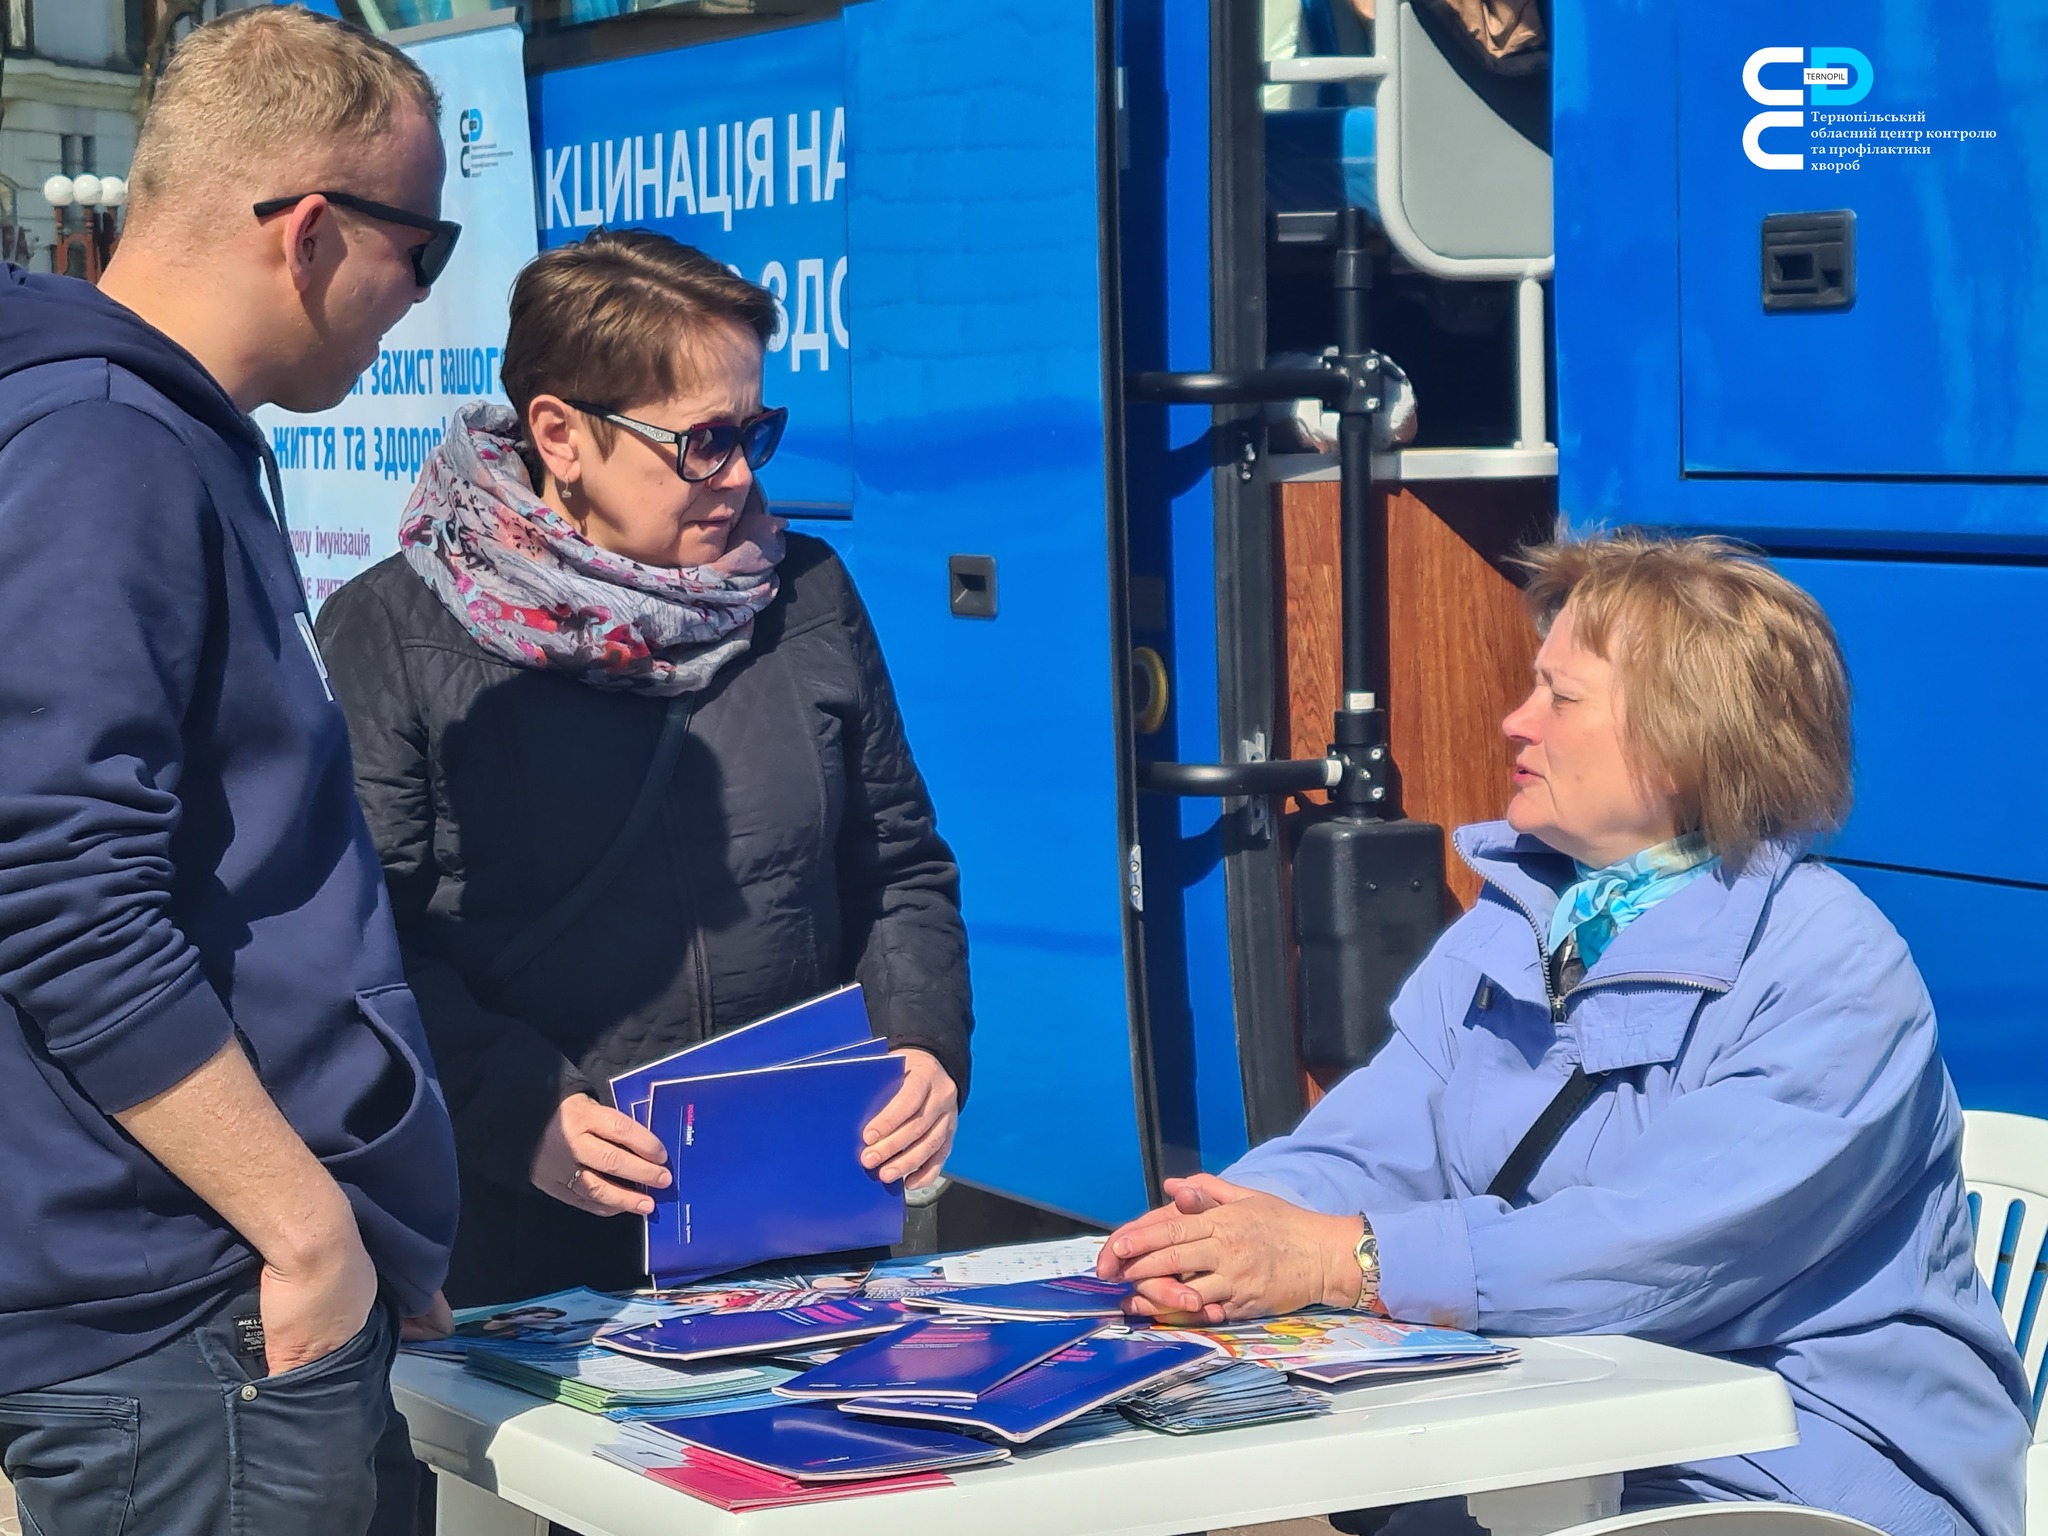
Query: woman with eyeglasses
[{"x": 632, "y": 760}]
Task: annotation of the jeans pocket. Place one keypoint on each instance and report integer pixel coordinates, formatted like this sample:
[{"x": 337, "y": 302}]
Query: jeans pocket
[
  {"x": 304, "y": 1441},
  {"x": 367, "y": 1339},
  {"x": 71, "y": 1458}
]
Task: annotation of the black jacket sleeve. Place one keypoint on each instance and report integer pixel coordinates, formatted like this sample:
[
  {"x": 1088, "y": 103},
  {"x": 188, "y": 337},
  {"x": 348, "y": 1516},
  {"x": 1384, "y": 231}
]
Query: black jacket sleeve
[
  {"x": 107, "y": 541},
  {"x": 899, "y": 887},
  {"x": 503, "y": 1079}
]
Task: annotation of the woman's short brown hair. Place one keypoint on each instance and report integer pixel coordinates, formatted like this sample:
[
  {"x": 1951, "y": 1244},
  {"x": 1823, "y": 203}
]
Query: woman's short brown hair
[
  {"x": 1733, "y": 686},
  {"x": 620, "y": 318}
]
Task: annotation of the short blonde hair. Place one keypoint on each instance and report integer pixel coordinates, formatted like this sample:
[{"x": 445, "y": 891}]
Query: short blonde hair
[
  {"x": 1733, "y": 686},
  {"x": 277, "y": 86}
]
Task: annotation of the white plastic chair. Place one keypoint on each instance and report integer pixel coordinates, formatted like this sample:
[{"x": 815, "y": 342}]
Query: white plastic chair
[
  {"x": 1727, "y": 1520},
  {"x": 2005, "y": 1167}
]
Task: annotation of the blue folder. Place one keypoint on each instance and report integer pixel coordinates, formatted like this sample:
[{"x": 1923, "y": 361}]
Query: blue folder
[
  {"x": 766, "y": 1165},
  {"x": 949, "y": 1361},
  {"x": 1067, "y": 1296},
  {"x": 1079, "y": 1378},
  {"x": 814, "y": 1444},
  {"x": 832, "y": 1023},
  {"x": 705, "y": 1335}
]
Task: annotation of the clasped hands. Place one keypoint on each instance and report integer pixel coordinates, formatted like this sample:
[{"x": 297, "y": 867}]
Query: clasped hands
[
  {"x": 599, "y": 1160},
  {"x": 1219, "y": 1252}
]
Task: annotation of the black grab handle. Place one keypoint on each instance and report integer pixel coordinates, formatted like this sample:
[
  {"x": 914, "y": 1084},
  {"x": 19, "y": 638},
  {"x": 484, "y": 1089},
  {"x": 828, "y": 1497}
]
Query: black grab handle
[
  {"x": 1288, "y": 776},
  {"x": 1243, "y": 386}
]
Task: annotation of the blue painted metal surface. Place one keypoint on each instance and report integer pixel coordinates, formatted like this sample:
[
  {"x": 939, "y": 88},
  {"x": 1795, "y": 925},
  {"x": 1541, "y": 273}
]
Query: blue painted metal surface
[
  {"x": 1978, "y": 946},
  {"x": 1950, "y": 666},
  {"x": 978, "y": 427},
  {"x": 962, "y": 412},
  {"x": 1622, "y": 176},
  {"x": 1166, "y": 283},
  {"x": 738, "y": 148},
  {"x": 1940, "y": 368}
]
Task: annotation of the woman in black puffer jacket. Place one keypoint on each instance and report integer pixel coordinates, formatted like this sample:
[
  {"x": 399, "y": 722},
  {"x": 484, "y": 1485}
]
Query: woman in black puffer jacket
[{"x": 579, "y": 572}]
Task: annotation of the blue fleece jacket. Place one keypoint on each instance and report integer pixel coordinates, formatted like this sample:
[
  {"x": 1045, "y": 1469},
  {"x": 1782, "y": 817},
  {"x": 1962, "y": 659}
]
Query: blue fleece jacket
[
  {"x": 1770, "y": 1172},
  {"x": 182, "y": 860}
]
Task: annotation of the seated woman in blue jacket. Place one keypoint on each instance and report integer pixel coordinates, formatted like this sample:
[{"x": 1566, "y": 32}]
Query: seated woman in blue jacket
[{"x": 1766, "y": 1167}]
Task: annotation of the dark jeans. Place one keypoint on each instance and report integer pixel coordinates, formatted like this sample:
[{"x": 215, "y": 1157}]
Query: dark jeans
[{"x": 195, "y": 1439}]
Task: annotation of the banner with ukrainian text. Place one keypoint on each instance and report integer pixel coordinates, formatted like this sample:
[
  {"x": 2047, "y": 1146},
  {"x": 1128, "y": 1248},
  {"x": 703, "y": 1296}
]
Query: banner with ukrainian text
[{"x": 347, "y": 472}]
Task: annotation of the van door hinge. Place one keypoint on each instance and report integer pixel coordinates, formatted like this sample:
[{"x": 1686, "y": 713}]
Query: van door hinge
[{"x": 1134, "y": 878}]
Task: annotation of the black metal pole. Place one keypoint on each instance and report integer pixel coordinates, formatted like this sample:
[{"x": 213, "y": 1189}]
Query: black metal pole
[
  {"x": 1368, "y": 790},
  {"x": 1364, "y": 638}
]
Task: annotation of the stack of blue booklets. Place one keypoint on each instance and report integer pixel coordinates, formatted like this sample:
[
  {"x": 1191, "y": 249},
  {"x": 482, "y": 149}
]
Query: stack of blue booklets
[
  {"x": 1080, "y": 1378},
  {"x": 817, "y": 1444},
  {"x": 1228, "y": 1396},
  {"x": 786, "y": 1331},
  {"x": 763, "y": 1130},
  {"x": 955, "y": 1362}
]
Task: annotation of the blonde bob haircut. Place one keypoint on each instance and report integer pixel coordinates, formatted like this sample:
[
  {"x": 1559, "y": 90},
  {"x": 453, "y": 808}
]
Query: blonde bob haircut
[
  {"x": 266, "y": 92},
  {"x": 1734, "y": 694}
]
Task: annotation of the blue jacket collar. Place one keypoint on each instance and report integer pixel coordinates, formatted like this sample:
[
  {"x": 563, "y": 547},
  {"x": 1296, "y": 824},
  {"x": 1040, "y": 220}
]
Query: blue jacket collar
[{"x": 1692, "y": 942}]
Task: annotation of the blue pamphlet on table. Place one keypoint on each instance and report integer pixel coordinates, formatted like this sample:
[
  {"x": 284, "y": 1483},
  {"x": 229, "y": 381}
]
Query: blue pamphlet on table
[
  {"x": 812, "y": 1443},
  {"x": 1067, "y": 1296},
  {"x": 946, "y": 1360},
  {"x": 1051, "y": 1393},
  {"x": 706, "y": 1335}
]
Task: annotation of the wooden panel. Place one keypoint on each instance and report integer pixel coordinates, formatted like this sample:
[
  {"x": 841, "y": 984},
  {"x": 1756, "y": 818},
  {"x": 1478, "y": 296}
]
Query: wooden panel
[
  {"x": 1311, "y": 626},
  {"x": 1460, "y": 643}
]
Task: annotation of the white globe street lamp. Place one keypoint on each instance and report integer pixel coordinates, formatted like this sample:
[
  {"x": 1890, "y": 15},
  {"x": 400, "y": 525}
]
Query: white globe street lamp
[{"x": 91, "y": 194}]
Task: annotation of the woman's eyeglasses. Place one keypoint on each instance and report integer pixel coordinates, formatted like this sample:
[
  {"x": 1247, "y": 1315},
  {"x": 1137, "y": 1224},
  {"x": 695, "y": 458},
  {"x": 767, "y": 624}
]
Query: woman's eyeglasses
[
  {"x": 429, "y": 260},
  {"x": 703, "y": 450}
]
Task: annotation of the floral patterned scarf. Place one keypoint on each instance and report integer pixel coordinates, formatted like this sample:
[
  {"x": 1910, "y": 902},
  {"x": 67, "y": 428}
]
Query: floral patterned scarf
[{"x": 533, "y": 590}]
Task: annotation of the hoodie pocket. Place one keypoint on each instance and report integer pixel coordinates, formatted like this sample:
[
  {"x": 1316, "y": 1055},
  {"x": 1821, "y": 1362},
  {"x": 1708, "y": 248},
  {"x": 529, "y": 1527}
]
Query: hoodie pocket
[{"x": 403, "y": 1171}]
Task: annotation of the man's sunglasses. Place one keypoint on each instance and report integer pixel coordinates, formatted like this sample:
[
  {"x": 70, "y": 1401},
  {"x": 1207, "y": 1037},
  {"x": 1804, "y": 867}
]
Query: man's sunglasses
[
  {"x": 702, "y": 451},
  {"x": 429, "y": 261}
]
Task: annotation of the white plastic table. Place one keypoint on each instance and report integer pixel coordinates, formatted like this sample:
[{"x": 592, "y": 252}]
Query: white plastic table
[{"x": 1535, "y": 1446}]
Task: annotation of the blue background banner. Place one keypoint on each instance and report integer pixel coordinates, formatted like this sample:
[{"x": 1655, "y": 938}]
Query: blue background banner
[{"x": 738, "y": 148}]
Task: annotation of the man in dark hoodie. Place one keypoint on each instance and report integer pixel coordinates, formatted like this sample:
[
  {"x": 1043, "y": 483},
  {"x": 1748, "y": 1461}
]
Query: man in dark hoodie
[{"x": 226, "y": 1170}]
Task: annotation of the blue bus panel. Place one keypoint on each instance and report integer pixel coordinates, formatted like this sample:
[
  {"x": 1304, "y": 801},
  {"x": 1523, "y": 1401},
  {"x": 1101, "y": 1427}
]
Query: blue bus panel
[
  {"x": 1659, "y": 275},
  {"x": 1929, "y": 133},
  {"x": 1164, "y": 248},
  {"x": 738, "y": 148},
  {"x": 978, "y": 429},
  {"x": 1977, "y": 945},
  {"x": 1950, "y": 667}
]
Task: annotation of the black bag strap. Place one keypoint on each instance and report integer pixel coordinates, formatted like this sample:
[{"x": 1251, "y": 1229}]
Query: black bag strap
[
  {"x": 1567, "y": 970},
  {"x": 1537, "y": 1141},
  {"x": 550, "y": 925}
]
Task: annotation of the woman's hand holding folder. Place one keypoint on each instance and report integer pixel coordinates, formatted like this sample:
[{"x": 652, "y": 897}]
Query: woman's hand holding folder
[
  {"x": 910, "y": 1138},
  {"x": 598, "y": 1160}
]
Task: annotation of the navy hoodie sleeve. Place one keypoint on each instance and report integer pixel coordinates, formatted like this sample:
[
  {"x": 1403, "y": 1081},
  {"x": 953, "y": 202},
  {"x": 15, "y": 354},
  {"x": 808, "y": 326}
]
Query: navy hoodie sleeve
[
  {"x": 107, "y": 545},
  {"x": 503, "y": 1078}
]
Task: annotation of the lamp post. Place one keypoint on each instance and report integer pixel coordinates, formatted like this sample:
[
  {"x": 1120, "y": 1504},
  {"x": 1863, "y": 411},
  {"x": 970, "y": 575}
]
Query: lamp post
[{"x": 101, "y": 198}]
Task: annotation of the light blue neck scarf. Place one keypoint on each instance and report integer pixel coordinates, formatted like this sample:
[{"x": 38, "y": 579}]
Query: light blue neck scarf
[{"x": 1602, "y": 902}]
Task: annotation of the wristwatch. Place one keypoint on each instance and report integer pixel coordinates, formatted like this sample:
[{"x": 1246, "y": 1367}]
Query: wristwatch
[{"x": 1368, "y": 1255}]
